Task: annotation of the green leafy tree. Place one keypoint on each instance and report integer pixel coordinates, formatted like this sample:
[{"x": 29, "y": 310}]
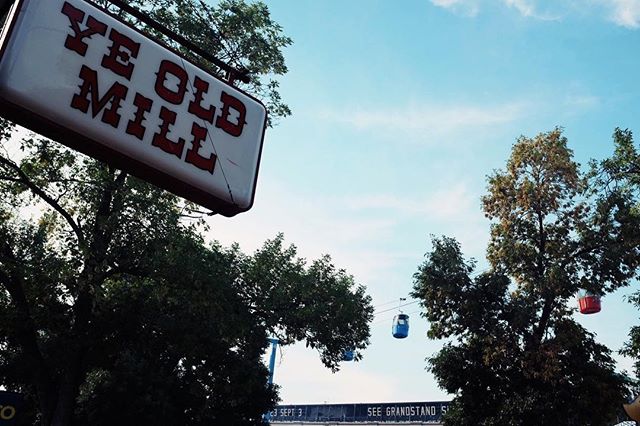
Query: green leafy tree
[
  {"x": 632, "y": 347},
  {"x": 621, "y": 173},
  {"x": 514, "y": 353},
  {"x": 113, "y": 308}
]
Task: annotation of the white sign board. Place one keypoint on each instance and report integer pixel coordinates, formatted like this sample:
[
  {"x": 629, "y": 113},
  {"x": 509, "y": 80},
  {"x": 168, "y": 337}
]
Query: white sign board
[{"x": 73, "y": 72}]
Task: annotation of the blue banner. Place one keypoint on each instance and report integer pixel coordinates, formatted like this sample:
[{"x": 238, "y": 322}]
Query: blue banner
[{"x": 382, "y": 412}]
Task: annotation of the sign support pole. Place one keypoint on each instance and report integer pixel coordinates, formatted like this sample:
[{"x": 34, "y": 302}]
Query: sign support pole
[{"x": 232, "y": 73}]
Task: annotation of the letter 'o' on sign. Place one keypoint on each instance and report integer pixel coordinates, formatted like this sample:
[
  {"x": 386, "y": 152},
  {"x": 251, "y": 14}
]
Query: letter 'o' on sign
[
  {"x": 7, "y": 412},
  {"x": 78, "y": 75}
]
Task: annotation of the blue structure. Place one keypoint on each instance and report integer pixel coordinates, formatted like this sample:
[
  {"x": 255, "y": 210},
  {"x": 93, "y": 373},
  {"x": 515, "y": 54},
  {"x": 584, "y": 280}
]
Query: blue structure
[
  {"x": 428, "y": 412},
  {"x": 348, "y": 355},
  {"x": 400, "y": 328},
  {"x": 272, "y": 367},
  {"x": 272, "y": 360}
]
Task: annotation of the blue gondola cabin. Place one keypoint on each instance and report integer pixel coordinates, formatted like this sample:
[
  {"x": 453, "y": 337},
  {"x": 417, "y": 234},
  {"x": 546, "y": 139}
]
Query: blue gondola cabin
[
  {"x": 348, "y": 355},
  {"x": 400, "y": 328}
]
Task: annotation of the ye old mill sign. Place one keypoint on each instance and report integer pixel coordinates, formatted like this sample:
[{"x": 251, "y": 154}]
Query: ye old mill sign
[{"x": 72, "y": 72}]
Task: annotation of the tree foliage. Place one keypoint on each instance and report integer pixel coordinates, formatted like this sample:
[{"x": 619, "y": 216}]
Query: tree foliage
[
  {"x": 621, "y": 173},
  {"x": 239, "y": 33},
  {"x": 113, "y": 307},
  {"x": 113, "y": 299},
  {"x": 515, "y": 354}
]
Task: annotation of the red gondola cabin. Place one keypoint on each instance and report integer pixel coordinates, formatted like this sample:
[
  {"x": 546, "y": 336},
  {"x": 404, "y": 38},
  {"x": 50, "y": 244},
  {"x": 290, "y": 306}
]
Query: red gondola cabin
[{"x": 589, "y": 303}]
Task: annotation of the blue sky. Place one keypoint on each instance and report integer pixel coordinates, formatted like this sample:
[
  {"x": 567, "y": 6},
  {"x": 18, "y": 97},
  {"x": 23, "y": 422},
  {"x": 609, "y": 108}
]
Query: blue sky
[{"x": 400, "y": 110}]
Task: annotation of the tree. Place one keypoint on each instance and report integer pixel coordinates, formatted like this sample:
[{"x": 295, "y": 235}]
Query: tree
[
  {"x": 621, "y": 173},
  {"x": 215, "y": 334},
  {"x": 515, "y": 354},
  {"x": 113, "y": 301},
  {"x": 115, "y": 310}
]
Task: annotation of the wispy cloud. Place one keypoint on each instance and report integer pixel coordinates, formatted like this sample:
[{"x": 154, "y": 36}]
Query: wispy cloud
[
  {"x": 525, "y": 7},
  {"x": 577, "y": 99},
  {"x": 358, "y": 230},
  {"x": 579, "y": 103},
  {"x": 464, "y": 7},
  {"x": 428, "y": 119},
  {"x": 316, "y": 224},
  {"x": 529, "y": 9},
  {"x": 625, "y": 13},
  {"x": 451, "y": 203},
  {"x": 454, "y": 210},
  {"x": 429, "y": 122}
]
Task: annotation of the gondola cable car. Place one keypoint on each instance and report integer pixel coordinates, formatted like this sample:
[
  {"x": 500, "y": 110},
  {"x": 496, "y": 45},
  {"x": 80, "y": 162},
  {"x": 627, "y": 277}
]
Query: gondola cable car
[
  {"x": 400, "y": 328},
  {"x": 588, "y": 303},
  {"x": 348, "y": 355},
  {"x": 400, "y": 325}
]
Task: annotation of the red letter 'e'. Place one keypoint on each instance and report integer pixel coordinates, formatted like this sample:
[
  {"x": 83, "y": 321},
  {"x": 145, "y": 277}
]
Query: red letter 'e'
[{"x": 118, "y": 60}]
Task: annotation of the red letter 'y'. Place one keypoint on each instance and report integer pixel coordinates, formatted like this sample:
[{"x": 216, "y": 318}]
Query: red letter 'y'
[{"x": 76, "y": 16}]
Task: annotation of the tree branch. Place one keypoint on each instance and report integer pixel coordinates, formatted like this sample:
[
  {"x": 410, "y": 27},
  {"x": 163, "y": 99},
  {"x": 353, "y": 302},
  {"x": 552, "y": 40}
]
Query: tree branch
[
  {"x": 10, "y": 179},
  {"x": 539, "y": 330},
  {"x": 581, "y": 252},
  {"x": 46, "y": 198}
]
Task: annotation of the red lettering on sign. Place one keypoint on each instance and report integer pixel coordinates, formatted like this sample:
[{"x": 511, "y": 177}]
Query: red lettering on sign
[
  {"x": 199, "y": 134},
  {"x": 228, "y": 101},
  {"x": 161, "y": 140},
  {"x": 168, "y": 67},
  {"x": 195, "y": 106},
  {"x": 116, "y": 93},
  {"x": 135, "y": 127},
  {"x": 76, "y": 16},
  {"x": 118, "y": 60}
]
